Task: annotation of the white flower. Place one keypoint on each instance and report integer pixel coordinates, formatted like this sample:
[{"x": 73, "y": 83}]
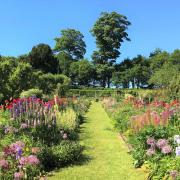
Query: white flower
[
  {"x": 177, "y": 139},
  {"x": 178, "y": 151}
]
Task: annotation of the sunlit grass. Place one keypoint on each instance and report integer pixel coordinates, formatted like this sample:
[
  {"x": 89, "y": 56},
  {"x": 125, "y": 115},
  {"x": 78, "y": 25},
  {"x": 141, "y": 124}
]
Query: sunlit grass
[{"x": 106, "y": 155}]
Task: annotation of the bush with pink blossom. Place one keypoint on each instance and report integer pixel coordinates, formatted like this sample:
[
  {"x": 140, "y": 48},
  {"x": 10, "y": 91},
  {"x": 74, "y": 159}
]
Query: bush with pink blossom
[{"x": 16, "y": 161}]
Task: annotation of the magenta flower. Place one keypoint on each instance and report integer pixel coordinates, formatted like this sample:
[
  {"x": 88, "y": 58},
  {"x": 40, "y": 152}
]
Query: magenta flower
[
  {"x": 4, "y": 163},
  {"x": 166, "y": 149},
  {"x": 9, "y": 151},
  {"x": 33, "y": 160},
  {"x": 161, "y": 143},
  {"x": 150, "y": 152},
  {"x": 151, "y": 141},
  {"x": 18, "y": 175}
]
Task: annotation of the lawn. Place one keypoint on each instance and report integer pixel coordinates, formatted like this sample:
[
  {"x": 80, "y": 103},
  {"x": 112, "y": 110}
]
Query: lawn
[{"x": 106, "y": 155}]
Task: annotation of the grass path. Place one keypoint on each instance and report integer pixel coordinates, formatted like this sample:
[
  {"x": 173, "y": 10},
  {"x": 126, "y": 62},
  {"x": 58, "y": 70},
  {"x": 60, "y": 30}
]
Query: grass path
[{"x": 108, "y": 155}]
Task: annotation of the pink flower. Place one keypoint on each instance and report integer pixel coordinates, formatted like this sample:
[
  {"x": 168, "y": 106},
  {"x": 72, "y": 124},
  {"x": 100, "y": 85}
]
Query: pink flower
[
  {"x": 33, "y": 160},
  {"x": 161, "y": 143},
  {"x": 166, "y": 149},
  {"x": 4, "y": 163},
  {"x": 18, "y": 175},
  {"x": 23, "y": 160},
  {"x": 24, "y": 126},
  {"x": 151, "y": 141},
  {"x": 150, "y": 152},
  {"x": 65, "y": 136}
]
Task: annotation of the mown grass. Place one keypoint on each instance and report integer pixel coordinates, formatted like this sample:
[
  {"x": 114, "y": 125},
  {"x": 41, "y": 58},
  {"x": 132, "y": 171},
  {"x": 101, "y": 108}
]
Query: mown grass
[{"x": 106, "y": 156}]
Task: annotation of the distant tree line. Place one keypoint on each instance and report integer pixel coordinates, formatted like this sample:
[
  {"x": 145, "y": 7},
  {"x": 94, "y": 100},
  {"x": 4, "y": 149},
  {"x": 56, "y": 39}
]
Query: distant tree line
[{"x": 66, "y": 60}]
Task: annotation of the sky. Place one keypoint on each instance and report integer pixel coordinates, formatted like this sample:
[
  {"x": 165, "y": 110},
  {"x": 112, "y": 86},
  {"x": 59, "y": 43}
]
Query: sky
[{"x": 155, "y": 24}]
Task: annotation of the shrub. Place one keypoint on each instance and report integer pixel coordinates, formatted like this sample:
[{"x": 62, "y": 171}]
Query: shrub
[
  {"x": 47, "y": 130},
  {"x": 67, "y": 119},
  {"x": 60, "y": 155},
  {"x": 174, "y": 87},
  {"x": 31, "y": 92},
  {"x": 61, "y": 89},
  {"x": 67, "y": 152},
  {"x": 48, "y": 82},
  {"x": 140, "y": 145}
]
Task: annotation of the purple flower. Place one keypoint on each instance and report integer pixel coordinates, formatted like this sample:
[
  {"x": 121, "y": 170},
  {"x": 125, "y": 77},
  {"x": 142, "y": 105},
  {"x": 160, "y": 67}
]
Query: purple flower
[
  {"x": 17, "y": 148},
  {"x": 150, "y": 152},
  {"x": 19, "y": 153},
  {"x": 18, "y": 175},
  {"x": 151, "y": 141},
  {"x": 4, "y": 163},
  {"x": 161, "y": 143},
  {"x": 166, "y": 149}
]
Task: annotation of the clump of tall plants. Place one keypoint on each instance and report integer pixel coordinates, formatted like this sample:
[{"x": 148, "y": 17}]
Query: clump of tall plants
[{"x": 34, "y": 132}]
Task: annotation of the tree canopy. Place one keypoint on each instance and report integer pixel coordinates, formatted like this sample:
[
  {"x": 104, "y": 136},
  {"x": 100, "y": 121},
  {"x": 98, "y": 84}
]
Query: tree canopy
[
  {"x": 41, "y": 57},
  {"x": 71, "y": 42}
]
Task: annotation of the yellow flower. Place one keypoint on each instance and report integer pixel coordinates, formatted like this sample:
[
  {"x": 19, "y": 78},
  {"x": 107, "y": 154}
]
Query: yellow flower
[{"x": 27, "y": 149}]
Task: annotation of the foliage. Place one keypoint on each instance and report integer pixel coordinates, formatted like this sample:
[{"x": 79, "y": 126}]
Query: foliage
[
  {"x": 41, "y": 58},
  {"x": 31, "y": 92},
  {"x": 164, "y": 76},
  {"x": 60, "y": 155},
  {"x": 158, "y": 58},
  {"x": 110, "y": 31},
  {"x": 152, "y": 130},
  {"x": 71, "y": 42},
  {"x": 15, "y": 77},
  {"x": 64, "y": 62},
  {"x": 81, "y": 72},
  {"x": 174, "y": 87},
  {"x": 49, "y": 82},
  {"x": 67, "y": 120},
  {"x": 35, "y": 125},
  {"x": 18, "y": 162}
]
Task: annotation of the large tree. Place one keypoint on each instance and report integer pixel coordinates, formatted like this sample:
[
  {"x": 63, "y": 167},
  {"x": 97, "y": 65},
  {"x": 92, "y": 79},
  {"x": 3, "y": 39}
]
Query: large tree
[
  {"x": 163, "y": 76},
  {"x": 122, "y": 76},
  {"x": 64, "y": 62},
  {"x": 82, "y": 72},
  {"x": 71, "y": 42},
  {"x": 41, "y": 57},
  {"x": 140, "y": 72},
  {"x": 109, "y": 31},
  {"x": 157, "y": 59}
]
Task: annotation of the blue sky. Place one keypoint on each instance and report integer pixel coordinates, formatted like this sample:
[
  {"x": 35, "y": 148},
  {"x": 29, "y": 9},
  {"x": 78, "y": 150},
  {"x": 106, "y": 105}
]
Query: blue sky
[{"x": 155, "y": 23}]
